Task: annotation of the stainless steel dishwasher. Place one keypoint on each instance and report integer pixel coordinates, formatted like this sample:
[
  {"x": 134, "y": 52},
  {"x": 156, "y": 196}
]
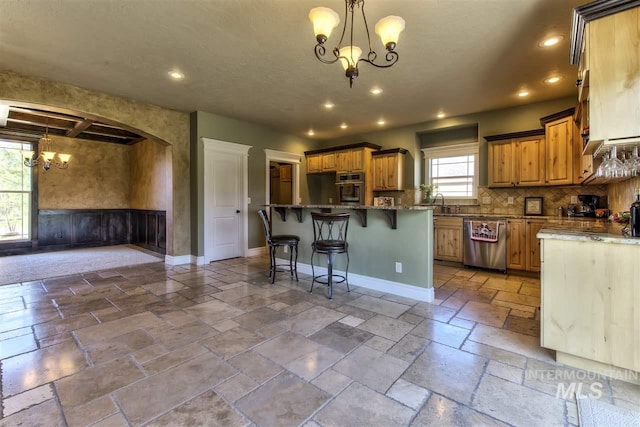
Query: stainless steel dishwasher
[{"x": 485, "y": 250}]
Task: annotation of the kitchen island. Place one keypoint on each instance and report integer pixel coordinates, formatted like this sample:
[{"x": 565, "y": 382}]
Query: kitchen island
[
  {"x": 590, "y": 302},
  {"x": 390, "y": 248}
]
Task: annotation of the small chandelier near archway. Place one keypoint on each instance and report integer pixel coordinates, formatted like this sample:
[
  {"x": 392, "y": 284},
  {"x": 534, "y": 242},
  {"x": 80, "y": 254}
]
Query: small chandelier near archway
[
  {"x": 46, "y": 156},
  {"x": 325, "y": 20}
]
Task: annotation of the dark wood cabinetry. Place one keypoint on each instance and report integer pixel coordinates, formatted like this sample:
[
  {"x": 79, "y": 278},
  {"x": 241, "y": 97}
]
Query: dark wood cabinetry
[{"x": 67, "y": 228}]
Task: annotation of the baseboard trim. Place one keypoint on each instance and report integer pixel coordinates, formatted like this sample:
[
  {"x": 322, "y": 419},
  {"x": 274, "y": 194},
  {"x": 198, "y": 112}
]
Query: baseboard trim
[
  {"x": 178, "y": 260},
  {"x": 376, "y": 284},
  {"x": 256, "y": 251}
]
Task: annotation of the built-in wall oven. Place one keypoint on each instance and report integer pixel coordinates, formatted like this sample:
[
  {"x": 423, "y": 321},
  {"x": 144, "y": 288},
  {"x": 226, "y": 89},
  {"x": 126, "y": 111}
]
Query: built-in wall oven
[{"x": 350, "y": 188}]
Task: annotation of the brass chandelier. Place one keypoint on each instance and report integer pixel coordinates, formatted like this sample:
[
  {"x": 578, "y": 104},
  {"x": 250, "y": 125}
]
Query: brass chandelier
[
  {"x": 46, "y": 156},
  {"x": 325, "y": 20}
]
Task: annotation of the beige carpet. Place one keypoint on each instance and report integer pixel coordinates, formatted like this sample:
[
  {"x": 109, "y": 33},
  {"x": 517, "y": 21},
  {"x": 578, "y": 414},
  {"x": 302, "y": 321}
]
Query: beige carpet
[
  {"x": 595, "y": 413},
  {"x": 26, "y": 268}
]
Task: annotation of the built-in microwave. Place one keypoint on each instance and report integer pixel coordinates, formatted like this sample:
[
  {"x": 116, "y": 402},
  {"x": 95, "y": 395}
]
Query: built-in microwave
[{"x": 350, "y": 188}]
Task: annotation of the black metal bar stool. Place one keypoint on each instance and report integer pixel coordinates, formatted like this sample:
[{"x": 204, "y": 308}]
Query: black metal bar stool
[
  {"x": 274, "y": 243},
  {"x": 330, "y": 238}
]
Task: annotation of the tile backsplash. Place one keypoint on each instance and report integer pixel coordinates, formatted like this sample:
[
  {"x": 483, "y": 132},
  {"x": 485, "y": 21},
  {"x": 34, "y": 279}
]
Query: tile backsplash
[
  {"x": 498, "y": 199},
  {"x": 552, "y": 198}
]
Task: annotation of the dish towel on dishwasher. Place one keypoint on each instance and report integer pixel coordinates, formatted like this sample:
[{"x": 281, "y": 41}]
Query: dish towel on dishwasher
[{"x": 485, "y": 231}]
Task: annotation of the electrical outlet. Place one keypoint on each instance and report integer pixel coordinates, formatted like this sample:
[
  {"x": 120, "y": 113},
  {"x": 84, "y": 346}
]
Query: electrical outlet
[
  {"x": 509, "y": 200},
  {"x": 248, "y": 200},
  {"x": 286, "y": 249},
  {"x": 398, "y": 267},
  {"x": 574, "y": 199},
  {"x": 486, "y": 200},
  {"x": 330, "y": 200}
]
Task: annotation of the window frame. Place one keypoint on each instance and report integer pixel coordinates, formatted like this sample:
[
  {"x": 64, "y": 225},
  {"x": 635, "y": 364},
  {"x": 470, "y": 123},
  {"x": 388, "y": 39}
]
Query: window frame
[
  {"x": 466, "y": 149},
  {"x": 31, "y": 242}
]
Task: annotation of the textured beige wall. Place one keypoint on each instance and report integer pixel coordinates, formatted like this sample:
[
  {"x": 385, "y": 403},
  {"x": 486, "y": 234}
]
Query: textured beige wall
[
  {"x": 622, "y": 194},
  {"x": 149, "y": 185},
  {"x": 168, "y": 126},
  {"x": 98, "y": 177}
]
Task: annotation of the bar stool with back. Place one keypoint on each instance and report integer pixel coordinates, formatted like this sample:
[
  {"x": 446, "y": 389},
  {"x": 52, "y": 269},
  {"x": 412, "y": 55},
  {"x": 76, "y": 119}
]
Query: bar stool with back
[
  {"x": 276, "y": 241},
  {"x": 330, "y": 238}
]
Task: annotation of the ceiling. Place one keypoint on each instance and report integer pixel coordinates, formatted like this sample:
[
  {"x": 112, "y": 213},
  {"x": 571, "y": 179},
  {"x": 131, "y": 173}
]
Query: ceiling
[
  {"x": 253, "y": 59},
  {"x": 30, "y": 124}
]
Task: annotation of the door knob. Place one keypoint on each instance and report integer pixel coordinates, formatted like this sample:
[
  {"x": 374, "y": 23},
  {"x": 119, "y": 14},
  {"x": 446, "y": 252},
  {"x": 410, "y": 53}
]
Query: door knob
[{"x": 237, "y": 210}]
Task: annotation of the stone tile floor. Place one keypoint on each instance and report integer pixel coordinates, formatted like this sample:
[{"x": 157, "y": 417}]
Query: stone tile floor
[{"x": 219, "y": 345}]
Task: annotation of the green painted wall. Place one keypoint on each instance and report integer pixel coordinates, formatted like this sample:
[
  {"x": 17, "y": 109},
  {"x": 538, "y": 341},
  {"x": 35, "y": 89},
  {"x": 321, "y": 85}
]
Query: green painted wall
[
  {"x": 259, "y": 137},
  {"x": 374, "y": 249}
]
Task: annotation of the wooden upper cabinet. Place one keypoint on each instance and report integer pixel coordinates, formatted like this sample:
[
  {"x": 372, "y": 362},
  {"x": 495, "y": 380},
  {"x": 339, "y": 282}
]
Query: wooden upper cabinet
[
  {"x": 343, "y": 161},
  {"x": 328, "y": 162},
  {"x": 614, "y": 73},
  {"x": 360, "y": 159},
  {"x": 314, "y": 163},
  {"x": 323, "y": 162},
  {"x": 559, "y": 151},
  {"x": 583, "y": 165},
  {"x": 354, "y": 160},
  {"x": 530, "y": 161},
  {"x": 501, "y": 164},
  {"x": 517, "y": 161},
  {"x": 388, "y": 170}
]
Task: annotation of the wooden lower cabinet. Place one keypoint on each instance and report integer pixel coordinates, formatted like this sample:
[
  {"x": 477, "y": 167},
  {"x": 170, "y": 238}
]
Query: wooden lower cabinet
[
  {"x": 448, "y": 239},
  {"x": 516, "y": 244},
  {"x": 533, "y": 244},
  {"x": 523, "y": 247},
  {"x": 589, "y": 311}
]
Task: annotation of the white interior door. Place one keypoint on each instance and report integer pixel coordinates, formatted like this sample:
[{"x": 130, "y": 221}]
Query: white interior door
[{"x": 225, "y": 197}]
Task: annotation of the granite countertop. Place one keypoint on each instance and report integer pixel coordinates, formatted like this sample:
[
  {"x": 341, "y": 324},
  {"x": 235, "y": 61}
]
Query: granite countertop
[
  {"x": 388, "y": 208},
  {"x": 595, "y": 231}
]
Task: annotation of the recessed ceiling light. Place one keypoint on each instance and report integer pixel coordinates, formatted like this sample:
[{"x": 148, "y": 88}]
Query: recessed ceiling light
[
  {"x": 328, "y": 105},
  {"x": 376, "y": 90},
  {"x": 551, "y": 41},
  {"x": 553, "y": 79},
  {"x": 176, "y": 75},
  {"x": 440, "y": 115},
  {"x": 311, "y": 132},
  {"x": 523, "y": 93},
  {"x": 343, "y": 126},
  {"x": 381, "y": 122}
]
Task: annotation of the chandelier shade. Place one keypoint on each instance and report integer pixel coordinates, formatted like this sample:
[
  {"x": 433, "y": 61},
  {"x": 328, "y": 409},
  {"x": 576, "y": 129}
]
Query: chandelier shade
[
  {"x": 389, "y": 30},
  {"x": 324, "y": 20},
  {"x": 349, "y": 56},
  {"x": 46, "y": 157}
]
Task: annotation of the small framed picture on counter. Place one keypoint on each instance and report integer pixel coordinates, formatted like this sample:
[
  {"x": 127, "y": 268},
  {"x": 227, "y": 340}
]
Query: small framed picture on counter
[{"x": 533, "y": 205}]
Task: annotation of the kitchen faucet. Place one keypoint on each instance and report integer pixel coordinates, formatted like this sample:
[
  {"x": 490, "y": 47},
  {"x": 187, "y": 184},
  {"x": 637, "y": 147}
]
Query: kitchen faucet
[{"x": 442, "y": 208}]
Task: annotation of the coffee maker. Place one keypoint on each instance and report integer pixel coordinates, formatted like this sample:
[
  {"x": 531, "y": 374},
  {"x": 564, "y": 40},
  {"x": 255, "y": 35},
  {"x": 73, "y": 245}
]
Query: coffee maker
[{"x": 588, "y": 205}]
